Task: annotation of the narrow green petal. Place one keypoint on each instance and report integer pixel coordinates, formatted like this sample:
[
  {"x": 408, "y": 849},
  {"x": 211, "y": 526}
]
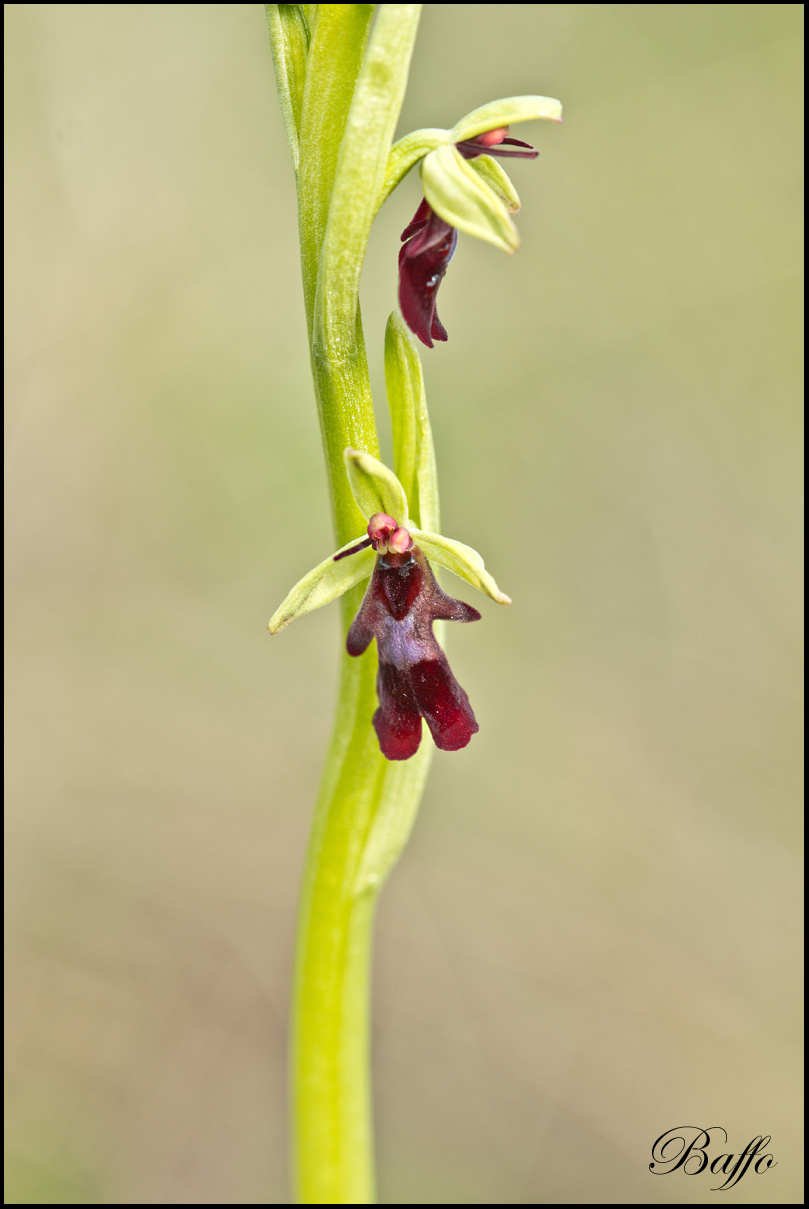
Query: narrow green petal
[
  {"x": 322, "y": 585},
  {"x": 408, "y": 151},
  {"x": 462, "y": 198},
  {"x": 462, "y": 560},
  {"x": 494, "y": 176},
  {"x": 375, "y": 488},
  {"x": 413, "y": 452},
  {"x": 506, "y": 113}
]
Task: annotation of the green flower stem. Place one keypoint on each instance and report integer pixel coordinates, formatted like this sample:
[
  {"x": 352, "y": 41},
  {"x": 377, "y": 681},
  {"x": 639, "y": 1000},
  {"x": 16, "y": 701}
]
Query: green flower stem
[{"x": 340, "y": 119}]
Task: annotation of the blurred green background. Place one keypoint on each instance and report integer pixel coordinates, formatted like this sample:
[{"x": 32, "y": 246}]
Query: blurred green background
[{"x": 593, "y": 936}]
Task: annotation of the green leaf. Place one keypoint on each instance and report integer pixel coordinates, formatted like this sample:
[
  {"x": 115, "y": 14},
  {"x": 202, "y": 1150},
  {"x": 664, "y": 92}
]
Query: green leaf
[
  {"x": 506, "y": 113},
  {"x": 289, "y": 39},
  {"x": 339, "y": 34},
  {"x": 460, "y": 559},
  {"x": 323, "y": 584},
  {"x": 362, "y": 164},
  {"x": 375, "y": 488},
  {"x": 413, "y": 452},
  {"x": 494, "y": 176},
  {"x": 460, "y": 196},
  {"x": 338, "y": 352}
]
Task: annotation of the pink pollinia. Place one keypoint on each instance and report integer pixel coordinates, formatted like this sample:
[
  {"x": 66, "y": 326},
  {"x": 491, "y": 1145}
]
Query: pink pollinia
[{"x": 414, "y": 680}]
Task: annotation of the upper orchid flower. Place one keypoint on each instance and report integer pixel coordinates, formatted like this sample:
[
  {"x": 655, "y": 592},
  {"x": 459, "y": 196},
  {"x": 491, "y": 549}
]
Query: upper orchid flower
[
  {"x": 465, "y": 189},
  {"x": 429, "y": 242}
]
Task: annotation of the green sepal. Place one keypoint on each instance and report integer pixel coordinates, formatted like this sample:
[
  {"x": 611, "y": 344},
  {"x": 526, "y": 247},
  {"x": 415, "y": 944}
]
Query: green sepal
[
  {"x": 460, "y": 195},
  {"x": 375, "y": 487},
  {"x": 505, "y": 113},
  {"x": 408, "y": 151},
  {"x": 322, "y": 585},
  {"x": 413, "y": 452},
  {"x": 494, "y": 176},
  {"x": 461, "y": 560},
  {"x": 289, "y": 38}
]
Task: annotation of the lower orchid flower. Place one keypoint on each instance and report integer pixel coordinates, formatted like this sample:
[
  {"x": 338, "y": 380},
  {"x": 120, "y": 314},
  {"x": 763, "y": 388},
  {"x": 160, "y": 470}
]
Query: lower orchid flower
[
  {"x": 414, "y": 680},
  {"x": 401, "y": 603}
]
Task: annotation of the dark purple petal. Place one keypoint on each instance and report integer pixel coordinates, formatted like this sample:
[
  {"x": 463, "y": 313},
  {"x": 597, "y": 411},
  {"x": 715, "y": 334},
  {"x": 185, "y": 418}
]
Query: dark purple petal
[
  {"x": 363, "y": 545},
  {"x": 423, "y": 261},
  {"x": 519, "y": 143},
  {"x": 414, "y": 679},
  {"x": 470, "y": 148}
]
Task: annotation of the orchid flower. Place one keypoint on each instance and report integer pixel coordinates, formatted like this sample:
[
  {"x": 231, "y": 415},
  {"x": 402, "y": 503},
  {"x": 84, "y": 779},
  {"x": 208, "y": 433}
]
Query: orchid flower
[
  {"x": 402, "y": 602},
  {"x": 403, "y": 598},
  {"x": 465, "y": 189}
]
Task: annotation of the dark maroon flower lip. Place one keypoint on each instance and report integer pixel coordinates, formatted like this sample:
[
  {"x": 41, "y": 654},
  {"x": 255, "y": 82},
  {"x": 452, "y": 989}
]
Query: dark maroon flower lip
[
  {"x": 414, "y": 680},
  {"x": 423, "y": 261},
  {"x": 418, "y": 222}
]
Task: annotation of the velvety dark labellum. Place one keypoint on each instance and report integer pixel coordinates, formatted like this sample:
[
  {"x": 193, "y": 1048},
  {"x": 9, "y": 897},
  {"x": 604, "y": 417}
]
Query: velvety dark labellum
[
  {"x": 414, "y": 679},
  {"x": 423, "y": 261}
]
